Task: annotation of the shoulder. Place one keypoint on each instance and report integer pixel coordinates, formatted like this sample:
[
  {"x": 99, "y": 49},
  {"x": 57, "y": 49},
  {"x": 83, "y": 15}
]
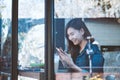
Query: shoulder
[{"x": 95, "y": 48}]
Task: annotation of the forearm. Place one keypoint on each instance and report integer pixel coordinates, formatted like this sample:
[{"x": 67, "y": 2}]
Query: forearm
[{"x": 76, "y": 68}]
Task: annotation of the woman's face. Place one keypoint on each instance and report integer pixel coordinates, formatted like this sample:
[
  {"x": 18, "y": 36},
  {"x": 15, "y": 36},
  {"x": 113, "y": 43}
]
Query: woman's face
[{"x": 74, "y": 35}]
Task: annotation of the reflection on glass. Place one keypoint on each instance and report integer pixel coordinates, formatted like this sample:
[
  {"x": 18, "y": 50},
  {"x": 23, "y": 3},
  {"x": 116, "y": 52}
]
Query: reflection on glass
[
  {"x": 5, "y": 39},
  {"x": 87, "y": 8},
  {"x": 31, "y": 35},
  {"x": 31, "y": 47}
]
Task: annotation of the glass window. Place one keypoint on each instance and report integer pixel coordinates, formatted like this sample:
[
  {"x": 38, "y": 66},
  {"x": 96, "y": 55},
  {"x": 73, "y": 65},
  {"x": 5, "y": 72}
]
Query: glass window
[
  {"x": 31, "y": 36},
  {"x": 5, "y": 38},
  {"x": 101, "y": 17}
]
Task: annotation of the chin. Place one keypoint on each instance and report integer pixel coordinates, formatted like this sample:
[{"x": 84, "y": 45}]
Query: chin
[{"x": 75, "y": 43}]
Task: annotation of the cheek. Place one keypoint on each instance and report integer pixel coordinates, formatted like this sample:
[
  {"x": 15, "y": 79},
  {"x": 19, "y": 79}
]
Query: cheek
[
  {"x": 80, "y": 37},
  {"x": 69, "y": 37}
]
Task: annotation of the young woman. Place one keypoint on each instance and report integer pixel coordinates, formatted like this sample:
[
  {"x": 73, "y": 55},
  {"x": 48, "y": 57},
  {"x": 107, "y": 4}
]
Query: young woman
[{"x": 76, "y": 35}]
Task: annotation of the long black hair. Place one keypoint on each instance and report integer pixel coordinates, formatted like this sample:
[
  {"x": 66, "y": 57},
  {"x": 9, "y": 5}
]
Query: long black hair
[{"x": 77, "y": 24}]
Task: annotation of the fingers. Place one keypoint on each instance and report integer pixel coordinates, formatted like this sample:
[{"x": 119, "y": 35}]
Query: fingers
[
  {"x": 64, "y": 57},
  {"x": 61, "y": 52}
]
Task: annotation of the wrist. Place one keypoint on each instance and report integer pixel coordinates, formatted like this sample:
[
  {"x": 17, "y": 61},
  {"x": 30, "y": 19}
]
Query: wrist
[{"x": 76, "y": 68}]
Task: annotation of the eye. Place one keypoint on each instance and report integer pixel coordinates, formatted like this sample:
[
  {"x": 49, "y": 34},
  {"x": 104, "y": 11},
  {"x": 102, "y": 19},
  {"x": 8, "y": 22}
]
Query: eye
[{"x": 71, "y": 34}]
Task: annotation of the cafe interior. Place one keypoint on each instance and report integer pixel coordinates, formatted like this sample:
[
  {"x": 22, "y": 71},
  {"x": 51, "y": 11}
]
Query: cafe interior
[{"x": 30, "y": 31}]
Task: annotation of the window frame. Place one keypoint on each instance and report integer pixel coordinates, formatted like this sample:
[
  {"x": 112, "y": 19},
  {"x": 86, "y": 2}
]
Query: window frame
[
  {"x": 14, "y": 72},
  {"x": 49, "y": 40}
]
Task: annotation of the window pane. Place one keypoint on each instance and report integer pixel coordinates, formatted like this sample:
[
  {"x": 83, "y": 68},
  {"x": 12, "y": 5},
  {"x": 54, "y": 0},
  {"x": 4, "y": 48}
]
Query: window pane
[
  {"x": 5, "y": 38},
  {"x": 106, "y": 34},
  {"x": 31, "y": 35},
  {"x": 101, "y": 17}
]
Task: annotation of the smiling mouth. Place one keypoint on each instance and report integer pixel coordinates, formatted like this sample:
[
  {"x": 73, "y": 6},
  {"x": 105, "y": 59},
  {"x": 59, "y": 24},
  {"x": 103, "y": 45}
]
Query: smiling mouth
[{"x": 74, "y": 40}]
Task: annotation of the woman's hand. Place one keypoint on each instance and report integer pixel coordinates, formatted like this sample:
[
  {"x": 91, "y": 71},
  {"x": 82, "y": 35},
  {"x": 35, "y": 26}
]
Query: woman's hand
[{"x": 65, "y": 58}]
